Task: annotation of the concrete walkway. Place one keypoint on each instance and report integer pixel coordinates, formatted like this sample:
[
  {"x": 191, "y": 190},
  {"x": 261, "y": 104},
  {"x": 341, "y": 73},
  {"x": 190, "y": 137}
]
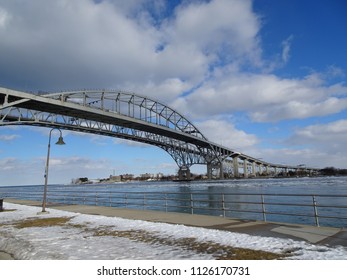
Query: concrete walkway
[
  {"x": 315, "y": 235},
  {"x": 5, "y": 256}
]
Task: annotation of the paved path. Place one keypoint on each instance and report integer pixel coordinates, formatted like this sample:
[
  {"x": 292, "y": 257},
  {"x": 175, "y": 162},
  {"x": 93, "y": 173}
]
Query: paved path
[
  {"x": 5, "y": 256},
  {"x": 316, "y": 235},
  {"x": 312, "y": 234}
]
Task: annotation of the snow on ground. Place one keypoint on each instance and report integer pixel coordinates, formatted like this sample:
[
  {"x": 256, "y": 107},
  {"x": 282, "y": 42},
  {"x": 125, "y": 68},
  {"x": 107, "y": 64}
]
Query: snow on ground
[{"x": 98, "y": 237}]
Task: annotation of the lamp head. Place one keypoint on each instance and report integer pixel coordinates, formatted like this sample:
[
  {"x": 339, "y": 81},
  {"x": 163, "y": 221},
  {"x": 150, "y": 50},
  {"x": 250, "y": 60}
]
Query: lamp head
[{"x": 60, "y": 141}]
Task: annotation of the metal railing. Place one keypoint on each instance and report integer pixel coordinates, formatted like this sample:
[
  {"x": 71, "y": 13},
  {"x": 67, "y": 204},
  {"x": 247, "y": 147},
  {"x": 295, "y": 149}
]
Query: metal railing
[{"x": 294, "y": 208}]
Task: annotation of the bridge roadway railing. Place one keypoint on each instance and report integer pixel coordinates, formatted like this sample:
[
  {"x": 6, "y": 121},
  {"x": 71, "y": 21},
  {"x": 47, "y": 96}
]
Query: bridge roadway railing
[{"x": 315, "y": 209}]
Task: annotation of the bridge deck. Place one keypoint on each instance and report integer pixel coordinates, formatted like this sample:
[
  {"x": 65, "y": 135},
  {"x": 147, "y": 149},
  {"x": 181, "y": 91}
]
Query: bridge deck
[{"x": 58, "y": 105}]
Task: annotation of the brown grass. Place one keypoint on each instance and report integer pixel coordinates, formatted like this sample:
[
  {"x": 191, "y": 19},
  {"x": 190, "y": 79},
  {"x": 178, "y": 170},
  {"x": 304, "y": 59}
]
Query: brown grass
[
  {"x": 8, "y": 210},
  {"x": 220, "y": 252},
  {"x": 43, "y": 222}
]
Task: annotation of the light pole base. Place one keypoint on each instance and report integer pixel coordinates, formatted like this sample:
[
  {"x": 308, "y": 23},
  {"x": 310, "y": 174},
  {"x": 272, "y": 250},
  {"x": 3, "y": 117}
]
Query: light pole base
[{"x": 42, "y": 213}]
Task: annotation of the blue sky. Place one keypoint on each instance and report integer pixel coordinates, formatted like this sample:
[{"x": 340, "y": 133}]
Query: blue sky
[{"x": 267, "y": 78}]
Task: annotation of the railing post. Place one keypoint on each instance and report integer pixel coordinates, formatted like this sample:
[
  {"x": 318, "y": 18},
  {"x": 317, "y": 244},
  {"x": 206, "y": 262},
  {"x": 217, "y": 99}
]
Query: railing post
[
  {"x": 223, "y": 205},
  {"x": 315, "y": 210},
  {"x": 96, "y": 199},
  {"x": 191, "y": 204},
  {"x": 263, "y": 207},
  {"x": 165, "y": 202},
  {"x": 144, "y": 201},
  {"x": 110, "y": 199},
  {"x": 126, "y": 200}
]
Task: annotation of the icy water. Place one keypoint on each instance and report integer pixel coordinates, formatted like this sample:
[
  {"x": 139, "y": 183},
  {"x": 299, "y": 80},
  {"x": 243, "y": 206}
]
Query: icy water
[{"x": 284, "y": 200}]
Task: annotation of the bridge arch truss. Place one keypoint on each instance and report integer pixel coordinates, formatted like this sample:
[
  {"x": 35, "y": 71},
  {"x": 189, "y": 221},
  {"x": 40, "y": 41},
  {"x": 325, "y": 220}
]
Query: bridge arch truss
[{"x": 123, "y": 115}]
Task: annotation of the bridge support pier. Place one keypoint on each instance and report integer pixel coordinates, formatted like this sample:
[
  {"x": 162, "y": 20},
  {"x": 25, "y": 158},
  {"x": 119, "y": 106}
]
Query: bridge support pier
[
  {"x": 236, "y": 167},
  {"x": 218, "y": 167},
  {"x": 184, "y": 173},
  {"x": 261, "y": 169},
  {"x": 221, "y": 171},
  {"x": 209, "y": 171},
  {"x": 254, "y": 171},
  {"x": 245, "y": 168}
]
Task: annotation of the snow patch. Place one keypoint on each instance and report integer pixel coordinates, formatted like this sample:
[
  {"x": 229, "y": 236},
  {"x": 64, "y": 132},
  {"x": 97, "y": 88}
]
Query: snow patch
[{"x": 77, "y": 239}]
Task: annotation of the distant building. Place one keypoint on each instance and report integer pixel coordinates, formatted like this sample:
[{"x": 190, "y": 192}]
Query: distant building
[
  {"x": 114, "y": 178},
  {"x": 127, "y": 177},
  {"x": 147, "y": 176}
]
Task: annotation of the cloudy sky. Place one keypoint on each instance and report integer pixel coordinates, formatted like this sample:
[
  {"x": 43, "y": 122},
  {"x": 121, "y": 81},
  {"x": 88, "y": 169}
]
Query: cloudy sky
[{"x": 267, "y": 78}]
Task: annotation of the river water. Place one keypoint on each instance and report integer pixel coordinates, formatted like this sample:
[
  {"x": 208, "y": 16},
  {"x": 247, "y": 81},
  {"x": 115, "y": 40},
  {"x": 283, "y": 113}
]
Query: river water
[{"x": 274, "y": 199}]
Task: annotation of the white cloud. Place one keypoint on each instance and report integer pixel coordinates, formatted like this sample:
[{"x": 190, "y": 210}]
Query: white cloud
[
  {"x": 218, "y": 26},
  {"x": 15, "y": 171},
  {"x": 286, "y": 44},
  {"x": 8, "y": 164},
  {"x": 291, "y": 156},
  {"x": 166, "y": 90},
  {"x": 61, "y": 170},
  {"x": 335, "y": 72},
  {"x": 5, "y": 18},
  {"x": 130, "y": 143},
  {"x": 306, "y": 146},
  {"x": 319, "y": 145},
  {"x": 265, "y": 97},
  {"x": 74, "y": 44},
  {"x": 82, "y": 163},
  {"x": 330, "y": 137},
  {"x": 77, "y": 41},
  {"x": 224, "y": 133},
  {"x": 119, "y": 45},
  {"x": 9, "y": 137}
]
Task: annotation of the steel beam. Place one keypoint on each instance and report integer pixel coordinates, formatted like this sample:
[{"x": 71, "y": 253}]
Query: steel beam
[{"x": 128, "y": 116}]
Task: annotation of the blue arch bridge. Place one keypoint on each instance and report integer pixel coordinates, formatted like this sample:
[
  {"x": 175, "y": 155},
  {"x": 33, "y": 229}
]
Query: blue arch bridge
[{"x": 137, "y": 118}]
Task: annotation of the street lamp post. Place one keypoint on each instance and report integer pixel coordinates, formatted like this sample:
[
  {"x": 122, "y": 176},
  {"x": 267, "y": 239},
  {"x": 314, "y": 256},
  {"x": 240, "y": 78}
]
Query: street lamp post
[{"x": 60, "y": 142}]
